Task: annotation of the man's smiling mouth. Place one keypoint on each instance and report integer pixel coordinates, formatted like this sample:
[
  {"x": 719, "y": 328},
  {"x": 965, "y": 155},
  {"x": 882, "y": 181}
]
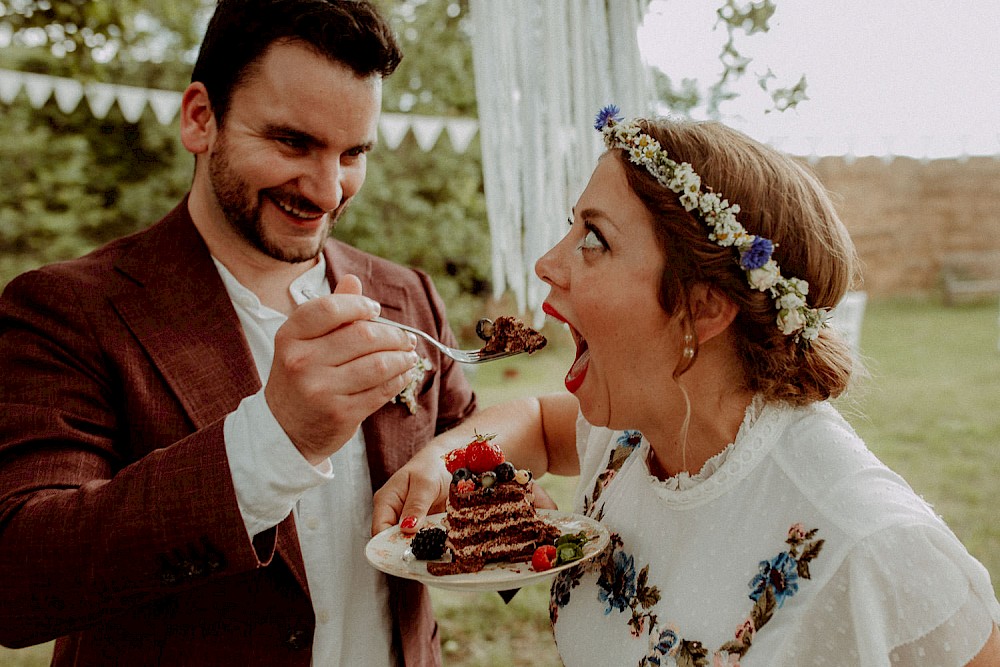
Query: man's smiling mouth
[{"x": 297, "y": 209}]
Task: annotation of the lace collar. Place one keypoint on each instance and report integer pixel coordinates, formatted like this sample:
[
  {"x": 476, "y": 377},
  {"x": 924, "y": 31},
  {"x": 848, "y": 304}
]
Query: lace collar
[{"x": 756, "y": 434}]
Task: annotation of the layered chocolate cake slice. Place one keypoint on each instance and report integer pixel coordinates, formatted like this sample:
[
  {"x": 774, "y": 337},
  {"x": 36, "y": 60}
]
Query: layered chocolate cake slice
[{"x": 490, "y": 513}]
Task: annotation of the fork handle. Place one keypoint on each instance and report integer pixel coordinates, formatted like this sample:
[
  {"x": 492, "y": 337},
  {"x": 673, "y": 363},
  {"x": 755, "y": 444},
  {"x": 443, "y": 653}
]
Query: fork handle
[{"x": 423, "y": 334}]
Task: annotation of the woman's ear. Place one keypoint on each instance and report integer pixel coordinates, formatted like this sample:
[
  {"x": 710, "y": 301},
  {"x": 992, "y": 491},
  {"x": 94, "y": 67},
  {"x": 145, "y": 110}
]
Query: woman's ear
[
  {"x": 198, "y": 124},
  {"x": 712, "y": 311}
]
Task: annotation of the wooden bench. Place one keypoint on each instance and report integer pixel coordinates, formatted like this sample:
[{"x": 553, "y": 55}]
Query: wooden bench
[{"x": 970, "y": 275}]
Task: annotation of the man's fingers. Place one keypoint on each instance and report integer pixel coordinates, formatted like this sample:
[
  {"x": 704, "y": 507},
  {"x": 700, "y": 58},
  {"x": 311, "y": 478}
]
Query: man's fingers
[{"x": 349, "y": 284}]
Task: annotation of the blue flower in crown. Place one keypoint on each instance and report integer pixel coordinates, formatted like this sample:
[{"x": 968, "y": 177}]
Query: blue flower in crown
[
  {"x": 757, "y": 255},
  {"x": 609, "y": 115}
]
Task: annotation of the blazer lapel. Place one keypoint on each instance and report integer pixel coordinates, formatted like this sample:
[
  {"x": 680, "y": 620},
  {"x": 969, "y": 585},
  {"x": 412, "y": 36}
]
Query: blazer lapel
[
  {"x": 184, "y": 318},
  {"x": 182, "y": 315}
]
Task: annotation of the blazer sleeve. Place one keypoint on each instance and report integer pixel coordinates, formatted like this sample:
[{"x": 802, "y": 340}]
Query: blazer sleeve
[{"x": 93, "y": 522}]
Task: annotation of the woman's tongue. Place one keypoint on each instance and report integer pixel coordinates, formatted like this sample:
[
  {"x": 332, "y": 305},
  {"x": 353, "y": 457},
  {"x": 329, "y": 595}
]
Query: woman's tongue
[{"x": 578, "y": 371}]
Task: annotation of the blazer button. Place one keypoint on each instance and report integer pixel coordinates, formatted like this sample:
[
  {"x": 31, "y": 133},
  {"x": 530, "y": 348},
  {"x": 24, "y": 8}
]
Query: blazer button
[{"x": 297, "y": 640}]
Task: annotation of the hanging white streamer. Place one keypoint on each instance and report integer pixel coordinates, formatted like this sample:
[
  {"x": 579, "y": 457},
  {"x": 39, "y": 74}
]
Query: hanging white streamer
[
  {"x": 542, "y": 71},
  {"x": 426, "y": 130},
  {"x": 10, "y": 85},
  {"x": 393, "y": 129},
  {"x": 100, "y": 97},
  {"x": 165, "y": 105},
  {"x": 131, "y": 102}
]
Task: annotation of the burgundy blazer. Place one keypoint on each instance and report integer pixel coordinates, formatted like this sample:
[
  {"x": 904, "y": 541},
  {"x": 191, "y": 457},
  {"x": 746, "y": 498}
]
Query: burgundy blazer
[{"x": 119, "y": 528}]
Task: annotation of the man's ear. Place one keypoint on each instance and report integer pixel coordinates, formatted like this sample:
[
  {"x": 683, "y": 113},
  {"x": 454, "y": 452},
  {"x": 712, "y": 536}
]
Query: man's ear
[
  {"x": 198, "y": 126},
  {"x": 712, "y": 311}
]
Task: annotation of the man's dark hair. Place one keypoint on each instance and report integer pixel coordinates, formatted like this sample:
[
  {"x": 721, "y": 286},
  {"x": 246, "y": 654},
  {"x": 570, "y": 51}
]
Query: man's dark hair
[{"x": 349, "y": 32}]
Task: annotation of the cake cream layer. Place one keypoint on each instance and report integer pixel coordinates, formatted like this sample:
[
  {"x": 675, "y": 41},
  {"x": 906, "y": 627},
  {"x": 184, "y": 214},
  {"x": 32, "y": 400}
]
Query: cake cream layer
[
  {"x": 494, "y": 525},
  {"x": 497, "y": 551},
  {"x": 495, "y": 530},
  {"x": 489, "y": 513}
]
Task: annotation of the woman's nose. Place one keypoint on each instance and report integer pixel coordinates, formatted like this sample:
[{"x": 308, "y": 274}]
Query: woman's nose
[{"x": 548, "y": 265}]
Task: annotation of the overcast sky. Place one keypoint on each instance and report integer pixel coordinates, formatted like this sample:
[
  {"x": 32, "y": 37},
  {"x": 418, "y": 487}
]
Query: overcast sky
[{"x": 911, "y": 77}]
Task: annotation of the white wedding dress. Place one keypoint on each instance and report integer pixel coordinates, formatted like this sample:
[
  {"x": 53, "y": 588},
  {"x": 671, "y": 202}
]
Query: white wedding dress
[{"x": 795, "y": 546}]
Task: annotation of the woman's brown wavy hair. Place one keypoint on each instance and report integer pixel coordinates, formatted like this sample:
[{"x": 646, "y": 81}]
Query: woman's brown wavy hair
[{"x": 780, "y": 200}]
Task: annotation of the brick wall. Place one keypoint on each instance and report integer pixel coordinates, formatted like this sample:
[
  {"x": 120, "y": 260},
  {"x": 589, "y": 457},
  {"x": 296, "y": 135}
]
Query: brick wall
[{"x": 905, "y": 215}]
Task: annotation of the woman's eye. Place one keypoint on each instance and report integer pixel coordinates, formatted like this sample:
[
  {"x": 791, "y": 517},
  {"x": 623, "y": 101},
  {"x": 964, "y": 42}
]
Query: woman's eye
[{"x": 591, "y": 242}]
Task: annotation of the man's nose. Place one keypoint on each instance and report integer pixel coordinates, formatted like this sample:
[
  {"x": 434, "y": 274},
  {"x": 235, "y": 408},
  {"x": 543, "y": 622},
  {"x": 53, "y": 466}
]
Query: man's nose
[{"x": 324, "y": 186}]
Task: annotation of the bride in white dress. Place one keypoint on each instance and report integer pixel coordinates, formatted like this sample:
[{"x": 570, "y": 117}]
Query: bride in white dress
[{"x": 750, "y": 524}]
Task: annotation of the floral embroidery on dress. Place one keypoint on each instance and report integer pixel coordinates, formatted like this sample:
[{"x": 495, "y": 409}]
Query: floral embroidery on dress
[
  {"x": 627, "y": 443},
  {"x": 569, "y": 579},
  {"x": 621, "y": 589}
]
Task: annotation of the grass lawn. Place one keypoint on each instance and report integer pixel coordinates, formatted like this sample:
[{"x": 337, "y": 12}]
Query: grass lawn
[{"x": 930, "y": 409}]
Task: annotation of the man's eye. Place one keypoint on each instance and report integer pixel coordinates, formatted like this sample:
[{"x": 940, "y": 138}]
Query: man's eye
[{"x": 295, "y": 143}]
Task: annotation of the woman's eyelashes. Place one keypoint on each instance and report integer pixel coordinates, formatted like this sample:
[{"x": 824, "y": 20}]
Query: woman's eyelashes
[{"x": 592, "y": 240}]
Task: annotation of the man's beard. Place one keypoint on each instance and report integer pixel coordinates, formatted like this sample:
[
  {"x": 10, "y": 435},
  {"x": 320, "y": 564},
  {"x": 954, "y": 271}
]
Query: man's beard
[{"x": 244, "y": 214}]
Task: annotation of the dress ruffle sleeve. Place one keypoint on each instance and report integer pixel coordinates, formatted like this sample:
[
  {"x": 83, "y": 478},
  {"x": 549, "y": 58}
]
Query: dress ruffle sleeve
[{"x": 933, "y": 605}]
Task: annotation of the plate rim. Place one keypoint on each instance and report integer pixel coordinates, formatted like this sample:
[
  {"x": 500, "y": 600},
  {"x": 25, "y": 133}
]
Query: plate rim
[{"x": 475, "y": 581}]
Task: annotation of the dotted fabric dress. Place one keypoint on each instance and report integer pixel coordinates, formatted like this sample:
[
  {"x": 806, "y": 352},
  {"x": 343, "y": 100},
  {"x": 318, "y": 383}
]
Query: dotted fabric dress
[{"x": 795, "y": 546}]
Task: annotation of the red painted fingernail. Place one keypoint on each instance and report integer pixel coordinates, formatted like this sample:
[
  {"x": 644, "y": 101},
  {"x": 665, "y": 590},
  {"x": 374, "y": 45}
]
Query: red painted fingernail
[{"x": 408, "y": 523}]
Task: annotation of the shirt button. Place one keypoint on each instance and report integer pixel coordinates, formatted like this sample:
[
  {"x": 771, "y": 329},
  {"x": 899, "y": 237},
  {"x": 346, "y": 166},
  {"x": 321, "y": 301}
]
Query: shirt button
[{"x": 323, "y": 617}]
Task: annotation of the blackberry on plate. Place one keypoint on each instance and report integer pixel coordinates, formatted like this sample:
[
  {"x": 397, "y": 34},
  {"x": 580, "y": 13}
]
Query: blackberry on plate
[{"x": 428, "y": 543}]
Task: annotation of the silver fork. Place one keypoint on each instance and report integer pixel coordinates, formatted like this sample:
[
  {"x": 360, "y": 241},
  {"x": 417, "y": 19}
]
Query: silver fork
[{"x": 461, "y": 356}]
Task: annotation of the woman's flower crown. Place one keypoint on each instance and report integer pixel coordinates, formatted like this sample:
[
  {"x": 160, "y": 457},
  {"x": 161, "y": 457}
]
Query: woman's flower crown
[{"x": 795, "y": 317}]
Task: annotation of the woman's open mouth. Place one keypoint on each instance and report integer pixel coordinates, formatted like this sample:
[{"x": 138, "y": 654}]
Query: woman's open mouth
[{"x": 578, "y": 371}]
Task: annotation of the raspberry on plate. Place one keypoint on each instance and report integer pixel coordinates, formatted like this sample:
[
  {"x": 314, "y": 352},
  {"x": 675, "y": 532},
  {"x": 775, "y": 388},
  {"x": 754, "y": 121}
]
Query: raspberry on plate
[{"x": 544, "y": 558}]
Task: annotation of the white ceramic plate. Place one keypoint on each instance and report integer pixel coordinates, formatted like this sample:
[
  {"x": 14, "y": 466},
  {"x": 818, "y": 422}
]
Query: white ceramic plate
[{"x": 386, "y": 552}]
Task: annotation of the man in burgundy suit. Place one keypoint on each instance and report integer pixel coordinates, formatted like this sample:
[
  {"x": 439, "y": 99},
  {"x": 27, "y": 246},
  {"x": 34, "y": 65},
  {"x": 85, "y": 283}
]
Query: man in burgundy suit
[{"x": 193, "y": 418}]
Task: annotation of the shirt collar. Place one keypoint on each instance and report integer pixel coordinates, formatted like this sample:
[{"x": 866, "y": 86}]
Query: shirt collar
[{"x": 310, "y": 284}]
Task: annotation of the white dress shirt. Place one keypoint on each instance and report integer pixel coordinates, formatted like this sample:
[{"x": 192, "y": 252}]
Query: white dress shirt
[{"x": 332, "y": 502}]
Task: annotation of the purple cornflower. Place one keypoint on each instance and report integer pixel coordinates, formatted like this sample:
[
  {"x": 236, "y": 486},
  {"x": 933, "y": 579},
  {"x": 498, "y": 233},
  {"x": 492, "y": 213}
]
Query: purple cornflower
[
  {"x": 609, "y": 115},
  {"x": 757, "y": 255}
]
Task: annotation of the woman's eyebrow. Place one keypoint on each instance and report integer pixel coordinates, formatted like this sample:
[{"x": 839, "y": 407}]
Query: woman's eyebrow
[{"x": 591, "y": 213}]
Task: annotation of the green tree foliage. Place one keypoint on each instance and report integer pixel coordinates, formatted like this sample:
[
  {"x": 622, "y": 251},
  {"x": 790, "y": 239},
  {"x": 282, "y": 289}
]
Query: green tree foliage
[
  {"x": 73, "y": 181},
  {"x": 76, "y": 181}
]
